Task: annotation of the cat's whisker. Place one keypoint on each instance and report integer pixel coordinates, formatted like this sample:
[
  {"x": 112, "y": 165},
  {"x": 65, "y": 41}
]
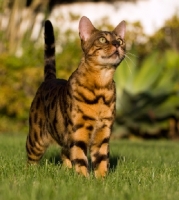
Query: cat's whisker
[
  {"x": 128, "y": 66},
  {"x": 131, "y": 54},
  {"x": 133, "y": 63},
  {"x": 127, "y": 57}
]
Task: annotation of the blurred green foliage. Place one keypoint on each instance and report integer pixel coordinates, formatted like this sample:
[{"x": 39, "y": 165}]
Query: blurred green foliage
[
  {"x": 148, "y": 96},
  {"x": 148, "y": 84},
  {"x": 147, "y": 80}
]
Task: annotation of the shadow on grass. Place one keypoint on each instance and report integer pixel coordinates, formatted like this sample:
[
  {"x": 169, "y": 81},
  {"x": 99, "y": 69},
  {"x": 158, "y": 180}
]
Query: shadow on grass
[
  {"x": 113, "y": 162},
  {"x": 54, "y": 158}
]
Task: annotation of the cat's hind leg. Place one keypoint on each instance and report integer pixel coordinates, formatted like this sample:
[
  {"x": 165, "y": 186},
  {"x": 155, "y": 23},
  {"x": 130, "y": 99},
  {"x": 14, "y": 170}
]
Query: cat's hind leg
[
  {"x": 38, "y": 138},
  {"x": 36, "y": 144},
  {"x": 65, "y": 156}
]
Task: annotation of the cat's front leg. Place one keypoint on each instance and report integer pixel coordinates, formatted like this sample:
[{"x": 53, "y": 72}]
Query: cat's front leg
[
  {"x": 78, "y": 150},
  {"x": 100, "y": 152}
]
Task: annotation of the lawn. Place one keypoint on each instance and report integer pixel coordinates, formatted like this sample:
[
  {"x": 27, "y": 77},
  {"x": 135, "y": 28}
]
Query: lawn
[{"x": 140, "y": 170}]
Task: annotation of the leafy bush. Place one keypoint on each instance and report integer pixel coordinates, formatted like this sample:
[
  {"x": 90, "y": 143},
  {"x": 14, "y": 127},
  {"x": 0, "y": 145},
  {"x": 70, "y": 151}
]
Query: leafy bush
[{"x": 148, "y": 96}]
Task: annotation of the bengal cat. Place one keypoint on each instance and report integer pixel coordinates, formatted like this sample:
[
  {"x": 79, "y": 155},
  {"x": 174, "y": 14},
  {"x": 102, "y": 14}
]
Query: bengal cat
[{"x": 79, "y": 113}]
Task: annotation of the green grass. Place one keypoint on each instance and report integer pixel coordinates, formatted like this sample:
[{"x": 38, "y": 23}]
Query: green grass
[{"x": 140, "y": 170}]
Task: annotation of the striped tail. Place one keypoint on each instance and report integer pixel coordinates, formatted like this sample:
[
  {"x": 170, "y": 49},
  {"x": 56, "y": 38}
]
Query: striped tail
[{"x": 49, "y": 52}]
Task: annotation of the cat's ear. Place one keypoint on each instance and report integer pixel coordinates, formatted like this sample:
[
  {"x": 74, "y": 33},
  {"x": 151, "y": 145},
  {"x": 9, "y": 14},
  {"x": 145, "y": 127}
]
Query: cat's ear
[
  {"x": 120, "y": 29},
  {"x": 86, "y": 28}
]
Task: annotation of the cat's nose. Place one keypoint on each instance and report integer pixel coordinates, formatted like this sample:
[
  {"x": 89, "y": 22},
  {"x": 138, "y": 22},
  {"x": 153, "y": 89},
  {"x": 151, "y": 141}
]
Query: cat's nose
[{"x": 115, "y": 43}]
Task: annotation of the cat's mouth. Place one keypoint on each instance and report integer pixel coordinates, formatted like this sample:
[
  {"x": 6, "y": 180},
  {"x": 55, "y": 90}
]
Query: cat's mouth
[{"x": 113, "y": 55}]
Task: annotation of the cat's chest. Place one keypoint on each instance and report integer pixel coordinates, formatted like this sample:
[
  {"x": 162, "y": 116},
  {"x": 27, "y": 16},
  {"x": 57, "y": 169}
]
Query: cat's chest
[
  {"x": 89, "y": 100},
  {"x": 94, "y": 106}
]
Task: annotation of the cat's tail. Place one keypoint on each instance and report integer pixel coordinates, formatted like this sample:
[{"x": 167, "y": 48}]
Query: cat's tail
[{"x": 49, "y": 52}]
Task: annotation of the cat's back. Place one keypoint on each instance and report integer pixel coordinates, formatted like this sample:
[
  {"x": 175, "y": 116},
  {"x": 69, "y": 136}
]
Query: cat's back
[
  {"x": 51, "y": 84},
  {"x": 49, "y": 93}
]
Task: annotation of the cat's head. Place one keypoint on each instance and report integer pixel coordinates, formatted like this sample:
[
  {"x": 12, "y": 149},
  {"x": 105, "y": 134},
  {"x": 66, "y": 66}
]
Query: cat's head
[{"x": 102, "y": 47}]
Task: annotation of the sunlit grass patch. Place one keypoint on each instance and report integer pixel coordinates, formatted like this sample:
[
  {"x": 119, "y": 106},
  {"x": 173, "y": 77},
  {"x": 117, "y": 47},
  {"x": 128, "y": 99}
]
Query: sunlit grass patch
[{"x": 138, "y": 170}]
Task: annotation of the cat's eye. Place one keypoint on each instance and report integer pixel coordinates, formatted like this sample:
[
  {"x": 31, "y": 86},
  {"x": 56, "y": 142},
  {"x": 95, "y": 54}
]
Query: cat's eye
[
  {"x": 102, "y": 40},
  {"x": 120, "y": 41}
]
